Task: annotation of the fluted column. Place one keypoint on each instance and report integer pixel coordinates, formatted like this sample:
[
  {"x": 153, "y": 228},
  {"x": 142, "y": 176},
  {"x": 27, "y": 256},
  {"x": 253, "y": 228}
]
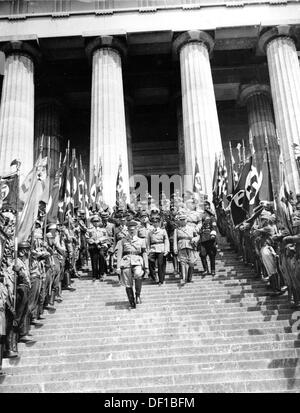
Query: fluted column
[
  {"x": 108, "y": 126},
  {"x": 128, "y": 108},
  {"x": 257, "y": 98},
  {"x": 17, "y": 107},
  {"x": 48, "y": 113},
  {"x": 201, "y": 130},
  {"x": 279, "y": 46}
]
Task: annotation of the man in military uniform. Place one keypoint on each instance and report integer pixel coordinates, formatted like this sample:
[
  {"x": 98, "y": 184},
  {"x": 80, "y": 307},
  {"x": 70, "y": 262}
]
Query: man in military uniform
[
  {"x": 159, "y": 247},
  {"x": 208, "y": 239},
  {"x": 98, "y": 244},
  {"x": 132, "y": 261},
  {"x": 70, "y": 242},
  {"x": 144, "y": 227},
  {"x": 83, "y": 252},
  {"x": 16, "y": 319},
  {"x": 110, "y": 230},
  {"x": 61, "y": 251}
]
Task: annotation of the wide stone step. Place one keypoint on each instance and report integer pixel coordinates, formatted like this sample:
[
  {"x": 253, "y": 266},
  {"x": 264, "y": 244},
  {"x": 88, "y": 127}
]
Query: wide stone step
[
  {"x": 73, "y": 332},
  {"x": 178, "y": 320},
  {"x": 178, "y": 334},
  {"x": 97, "y": 345},
  {"x": 253, "y": 386},
  {"x": 149, "y": 357},
  {"x": 160, "y": 362},
  {"x": 72, "y": 382},
  {"x": 171, "y": 311}
]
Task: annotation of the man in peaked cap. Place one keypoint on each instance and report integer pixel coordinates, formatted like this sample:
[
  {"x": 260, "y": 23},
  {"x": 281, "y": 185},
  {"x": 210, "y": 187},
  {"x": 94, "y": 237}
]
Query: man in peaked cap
[
  {"x": 98, "y": 242},
  {"x": 159, "y": 247},
  {"x": 17, "y": 324},
  {"x": 132, "y": 261},
  {"x": 145, "y": 226},
  {"x": 110, "y": 229},
  {"x": 208, "y": 234}
]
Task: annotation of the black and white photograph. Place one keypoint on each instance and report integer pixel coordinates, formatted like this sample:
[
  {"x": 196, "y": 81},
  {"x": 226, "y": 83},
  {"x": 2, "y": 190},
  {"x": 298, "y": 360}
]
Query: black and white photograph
[{"x": 149, "y": 199}]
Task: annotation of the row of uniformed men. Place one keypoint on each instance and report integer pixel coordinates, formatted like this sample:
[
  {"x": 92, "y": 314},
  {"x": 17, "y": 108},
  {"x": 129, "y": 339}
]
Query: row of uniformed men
[{"x": 139, "y": 246}]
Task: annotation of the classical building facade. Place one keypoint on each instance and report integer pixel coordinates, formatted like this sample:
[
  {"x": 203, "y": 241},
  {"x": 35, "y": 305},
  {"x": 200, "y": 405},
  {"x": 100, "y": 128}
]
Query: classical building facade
[{"x": 157, "y": 84}]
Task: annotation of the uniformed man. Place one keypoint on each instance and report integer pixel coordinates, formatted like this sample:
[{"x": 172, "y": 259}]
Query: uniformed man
[
  {"x": 55, "y": 267},
  {"x": 208, "y": 234},
  {"x": 144, "y": 227},
  {"x": 71, "y": 242},
  {"x": 83, "y": 252},
  {"x": 132, "y": 262},
  {"x": 159, "y": 247},
  {"x": 98, "y": 245},
  {"x": 110, "y": 230},
  {"x": 17, "y": 325}
]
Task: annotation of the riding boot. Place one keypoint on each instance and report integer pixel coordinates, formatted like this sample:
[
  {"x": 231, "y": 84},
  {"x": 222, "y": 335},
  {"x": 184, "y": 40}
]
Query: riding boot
[
  {"x": 213, "y": 267},
  {"x": 183, "y": 272},
  {"x": 11, "y": 350},
  {"x": 190, "y": 275},
  {"x": 51, "y": 302},
  {"x": 274, "y": 282},
  {"x": 138, "y": 288},
  {"x": 205, "y": 266},
  {"x": 130, "y": 295}
]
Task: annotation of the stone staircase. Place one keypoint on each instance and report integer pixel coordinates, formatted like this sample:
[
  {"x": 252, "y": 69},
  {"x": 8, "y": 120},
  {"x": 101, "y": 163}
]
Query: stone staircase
[{"x": 225, "y": 334}]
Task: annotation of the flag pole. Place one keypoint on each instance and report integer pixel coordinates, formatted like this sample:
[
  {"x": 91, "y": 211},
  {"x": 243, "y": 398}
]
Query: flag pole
[
  {"x": 16, "y": 233},
  {"x": 49, "y": 175}
]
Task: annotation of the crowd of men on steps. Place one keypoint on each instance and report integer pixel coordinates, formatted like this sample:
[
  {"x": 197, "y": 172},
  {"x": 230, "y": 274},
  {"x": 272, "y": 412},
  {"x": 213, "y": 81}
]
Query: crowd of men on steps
[
  {"x": 52, "y": 228},
  {"x": 131, "y": 244}
]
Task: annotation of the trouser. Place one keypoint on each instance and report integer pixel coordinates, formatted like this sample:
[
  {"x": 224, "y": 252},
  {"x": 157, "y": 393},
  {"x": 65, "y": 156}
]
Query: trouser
[
  {"x": 56, "y": 270},
  {"x": 208, "y": 248},
  {"x": 33, "y": 297},
  {"x": 99, "y": 266},
  {"x": 22, "y": 311},
  {"x": 161, "y": 265},
  {"x": 45, "y": 293},
  {"x": 128, "y": 275}
]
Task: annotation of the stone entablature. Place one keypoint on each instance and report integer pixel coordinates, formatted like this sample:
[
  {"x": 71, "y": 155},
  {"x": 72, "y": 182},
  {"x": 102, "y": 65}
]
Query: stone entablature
[
  {"x": 244, "y": 18},
  {"x": 57, "y": 8}
]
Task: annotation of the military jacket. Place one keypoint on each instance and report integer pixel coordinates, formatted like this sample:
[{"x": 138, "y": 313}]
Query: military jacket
[
  {"x": 209, "y": 224},
  {"x": 144, "y": 229},
  {"x": 130, "y": 250},
  {"x": 158, "y": 240},
  {"x": 97, "y": 236},
  {"x": 185, "y": 237}
]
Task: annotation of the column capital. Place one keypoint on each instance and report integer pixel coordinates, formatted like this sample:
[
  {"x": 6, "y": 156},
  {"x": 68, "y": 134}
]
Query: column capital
[
  {"x": 21, "y": 47},
  {"x": 251, "y": 89},
  {"x": 190, "y": 37},
  {"x": 277, "y": 31},
  {"x": 106, "y": 42}
]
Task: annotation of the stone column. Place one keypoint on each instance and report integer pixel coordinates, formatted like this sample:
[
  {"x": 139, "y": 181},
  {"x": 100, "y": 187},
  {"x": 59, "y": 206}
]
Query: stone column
[
  {"x": 48, "y": 114},
  {"x": 279, "y": 46},
  {"x": 17, "y": 107},
  {"x": 201, "y": 130},
  {"x": 257, "y": 98},
  {"x": 108, "y": 126},
  {"x": 128, "y": 108}
]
